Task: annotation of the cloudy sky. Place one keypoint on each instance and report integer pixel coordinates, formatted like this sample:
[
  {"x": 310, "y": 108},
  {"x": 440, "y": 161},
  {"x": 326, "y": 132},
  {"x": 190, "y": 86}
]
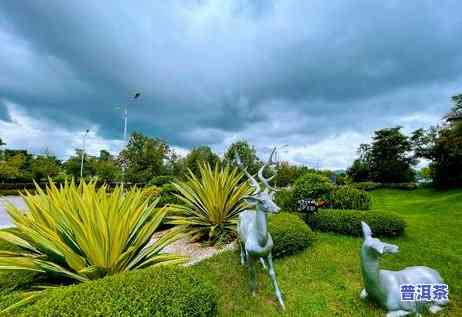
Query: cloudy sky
[{"x": 319, "y": 76}]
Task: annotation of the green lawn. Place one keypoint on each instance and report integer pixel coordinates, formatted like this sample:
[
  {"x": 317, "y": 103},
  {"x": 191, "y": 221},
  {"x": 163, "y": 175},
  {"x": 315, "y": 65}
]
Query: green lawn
[{"x": 325, "y": 280}]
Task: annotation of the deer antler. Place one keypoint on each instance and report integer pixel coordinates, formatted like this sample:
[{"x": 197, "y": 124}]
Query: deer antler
[
  {"x": 264, "y": 180},
  {"x": 251, "y": 178}
]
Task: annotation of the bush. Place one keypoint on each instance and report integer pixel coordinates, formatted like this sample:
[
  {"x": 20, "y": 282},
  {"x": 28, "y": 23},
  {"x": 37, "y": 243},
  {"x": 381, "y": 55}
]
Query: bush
[
  {"x": 163, "y": 291},
  {"x": 312, "y": 185},
  {"x": 290, "y": 234},
  {"x": 348, "y": 197},
  {"x": 349, "y": 222}
]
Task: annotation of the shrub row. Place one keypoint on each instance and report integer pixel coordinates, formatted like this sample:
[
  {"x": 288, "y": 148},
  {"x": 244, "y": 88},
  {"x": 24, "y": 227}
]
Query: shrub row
[
  {"x": 349, "y": 222},
  {"x": 161, "y": 180},
  {"x": 349, "y": 197},
  {"x": 405, "y": 186},
  {"x": 368, "y": 186},
  {"x": 162, "y": 291},
  {"x": 290, "y": 234}
]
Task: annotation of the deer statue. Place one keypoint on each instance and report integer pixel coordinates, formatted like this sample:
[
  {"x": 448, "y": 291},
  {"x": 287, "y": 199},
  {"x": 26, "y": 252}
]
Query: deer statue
[
  {"x": 384, "y": 286},
  {"x": 255, "y": 240}
]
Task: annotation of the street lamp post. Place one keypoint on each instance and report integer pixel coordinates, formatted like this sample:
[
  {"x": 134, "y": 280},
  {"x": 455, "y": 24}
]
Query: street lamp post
[
  {"x": 136, "y": 95},
  {"x": 83, "y": 152}
]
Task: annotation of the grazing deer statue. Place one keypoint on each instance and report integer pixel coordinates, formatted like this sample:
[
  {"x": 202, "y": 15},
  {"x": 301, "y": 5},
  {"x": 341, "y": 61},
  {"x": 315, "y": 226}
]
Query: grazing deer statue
[
  {"x": 255, "y": 240},
  {"x": 385, "y": 286}
]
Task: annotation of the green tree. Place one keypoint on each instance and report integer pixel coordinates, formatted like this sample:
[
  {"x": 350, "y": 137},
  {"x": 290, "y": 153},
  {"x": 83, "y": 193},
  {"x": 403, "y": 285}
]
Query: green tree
[
  {"x": 200, "y": 155},
  {"x": 106, "y": 167},
  {"x": 72, "y": 165},
  {"x": 360, "y": 170},
  {"x": 387, "y": 160},
  {"x": 25, "y": 174},
  {"x": 10, "y": 168},
  {"x": 247, "y": 153},
  {"x": 43, "y": 166},
  {"x": 145, "y": 157},
  {"x": 390, "y": 157},
  {"x": 443, "y": 146},
  {"x": 287, "y": 174}
]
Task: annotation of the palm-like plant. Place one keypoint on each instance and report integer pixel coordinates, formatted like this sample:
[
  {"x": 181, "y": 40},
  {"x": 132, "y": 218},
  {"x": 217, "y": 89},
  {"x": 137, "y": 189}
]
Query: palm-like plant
[
  {"x": 84, "y": 233},
  {"x": 210, "y": 204}
]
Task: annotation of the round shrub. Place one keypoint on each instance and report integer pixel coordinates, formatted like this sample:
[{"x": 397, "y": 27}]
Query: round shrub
[
  {"x": 164, "y": 291},
  {"x": 348, "y": 197},
  {"x": 290, "y": 234},
  {"x": 348, "y": 222},
  {"x": 312, "y": 185}
]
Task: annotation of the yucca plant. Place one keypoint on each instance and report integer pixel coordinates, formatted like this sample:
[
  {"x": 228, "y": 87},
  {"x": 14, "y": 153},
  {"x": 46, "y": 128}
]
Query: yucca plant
[
  {"x": 210, "y": 203},
  {"x": 83, "y": 233}
]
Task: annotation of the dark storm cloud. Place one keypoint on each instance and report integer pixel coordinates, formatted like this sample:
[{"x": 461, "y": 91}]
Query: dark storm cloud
[{"x": 211, "y": 71}]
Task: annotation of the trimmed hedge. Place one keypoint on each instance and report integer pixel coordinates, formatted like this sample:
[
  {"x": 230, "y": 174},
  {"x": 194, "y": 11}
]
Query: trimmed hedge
[
  {"x": 290, "y": 234},
  {"x": 368, "y": 186},
  {"x": 348, "y": 197},
  {"x": 162, "y": 291},
  {"x": 348, "y": 222},
  {"x": 161, "y": 180},
  {"x": 404, "y": 186}
]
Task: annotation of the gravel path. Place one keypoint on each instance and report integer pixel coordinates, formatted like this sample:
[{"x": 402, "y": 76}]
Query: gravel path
[
  {"x": 4, "y": 218},
  {"x": 194, "y": 250}
]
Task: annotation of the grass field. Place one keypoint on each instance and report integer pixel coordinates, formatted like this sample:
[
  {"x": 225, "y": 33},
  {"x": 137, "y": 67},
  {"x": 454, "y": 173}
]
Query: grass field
[{"x": 325, "y": 280}]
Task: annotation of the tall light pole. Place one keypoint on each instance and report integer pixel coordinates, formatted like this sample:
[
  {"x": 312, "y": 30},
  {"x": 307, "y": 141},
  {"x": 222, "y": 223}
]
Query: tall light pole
[
  {"x": 83, "y": 152},
  {"x": 136, "y": 95}
]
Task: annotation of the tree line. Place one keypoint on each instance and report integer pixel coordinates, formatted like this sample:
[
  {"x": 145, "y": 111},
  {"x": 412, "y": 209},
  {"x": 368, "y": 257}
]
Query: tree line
[
  {"x": 144, "y": 157},
  {"x": 392, "y": 155}
]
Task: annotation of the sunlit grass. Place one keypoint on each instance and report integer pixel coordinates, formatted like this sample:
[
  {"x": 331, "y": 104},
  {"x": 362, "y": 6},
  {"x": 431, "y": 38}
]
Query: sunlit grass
[{"x": 325, "y": 280}]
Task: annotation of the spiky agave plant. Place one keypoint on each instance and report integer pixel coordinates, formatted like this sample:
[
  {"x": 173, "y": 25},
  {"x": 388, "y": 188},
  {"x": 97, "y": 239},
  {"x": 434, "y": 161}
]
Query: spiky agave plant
[
  {"x": 210, "y": 203},
  {"x": 84, "y": 233}
]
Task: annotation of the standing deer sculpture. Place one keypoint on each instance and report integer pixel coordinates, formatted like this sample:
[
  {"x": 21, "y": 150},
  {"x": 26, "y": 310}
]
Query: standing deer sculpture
[
  {"x": 385, "y": 286},
  {"x": 255, "y": 240}
]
